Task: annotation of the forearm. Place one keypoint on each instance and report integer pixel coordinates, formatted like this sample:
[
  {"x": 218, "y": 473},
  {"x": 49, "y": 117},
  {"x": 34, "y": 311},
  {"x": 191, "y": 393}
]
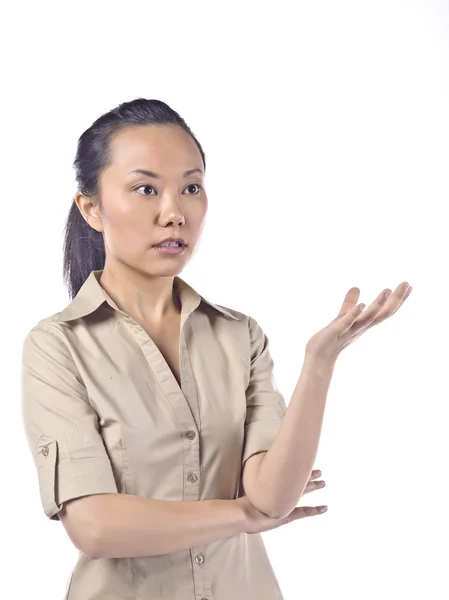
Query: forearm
[
  {"x": 125, "y": 526},
  {"x": 285, "y": 468}
]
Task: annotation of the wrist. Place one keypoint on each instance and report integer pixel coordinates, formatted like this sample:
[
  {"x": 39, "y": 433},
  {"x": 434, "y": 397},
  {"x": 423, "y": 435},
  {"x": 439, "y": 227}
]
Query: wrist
[
  {"x": 242, "y": 507},
  {"x": 320, "y": 365}
]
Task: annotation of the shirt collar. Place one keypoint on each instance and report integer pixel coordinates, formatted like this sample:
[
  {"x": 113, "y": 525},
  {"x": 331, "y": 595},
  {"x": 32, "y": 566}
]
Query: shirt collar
[{"x": 92, "y": 295}]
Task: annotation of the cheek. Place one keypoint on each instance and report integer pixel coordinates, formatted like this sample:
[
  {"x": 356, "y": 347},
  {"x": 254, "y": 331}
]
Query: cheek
[
  {"x": 126, "y": 227},
  {"x": 196, "y": 214}
]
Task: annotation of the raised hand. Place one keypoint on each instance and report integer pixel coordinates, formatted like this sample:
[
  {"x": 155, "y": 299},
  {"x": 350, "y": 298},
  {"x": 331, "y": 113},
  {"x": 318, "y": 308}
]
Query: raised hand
[{"x": 352, "y": 321}]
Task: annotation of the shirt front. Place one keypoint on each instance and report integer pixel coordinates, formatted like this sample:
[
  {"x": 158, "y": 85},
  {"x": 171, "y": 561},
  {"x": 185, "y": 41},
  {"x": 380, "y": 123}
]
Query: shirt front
[{"x": 103, "y": 413}]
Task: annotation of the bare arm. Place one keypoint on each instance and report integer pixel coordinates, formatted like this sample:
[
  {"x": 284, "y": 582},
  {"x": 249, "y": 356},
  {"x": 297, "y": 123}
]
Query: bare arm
[
  {"x": 275, "y": 480},
  {"x": 125, "y": 526}
]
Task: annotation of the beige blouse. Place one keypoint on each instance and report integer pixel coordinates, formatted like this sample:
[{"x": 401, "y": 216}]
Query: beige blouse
[{"x": 103, "y": 413}]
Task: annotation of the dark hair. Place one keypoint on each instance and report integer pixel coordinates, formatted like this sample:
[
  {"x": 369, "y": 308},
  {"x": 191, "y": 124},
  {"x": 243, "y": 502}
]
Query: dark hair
[{"x": 84, "y": 249}]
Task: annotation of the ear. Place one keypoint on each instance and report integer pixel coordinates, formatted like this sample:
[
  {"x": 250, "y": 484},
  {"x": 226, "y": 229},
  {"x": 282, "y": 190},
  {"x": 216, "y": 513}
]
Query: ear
[{"x": 89, "y": 208}]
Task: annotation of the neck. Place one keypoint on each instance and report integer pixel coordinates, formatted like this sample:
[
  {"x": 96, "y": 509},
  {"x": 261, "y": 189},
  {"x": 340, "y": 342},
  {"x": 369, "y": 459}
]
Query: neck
[{"x": 151, "y": 299}]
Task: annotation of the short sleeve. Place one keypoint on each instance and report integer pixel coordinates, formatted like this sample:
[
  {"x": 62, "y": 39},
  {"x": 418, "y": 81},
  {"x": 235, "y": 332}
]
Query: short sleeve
[
  {"x": 265, "y": 405},
  {"x": 60, "y": 425}
]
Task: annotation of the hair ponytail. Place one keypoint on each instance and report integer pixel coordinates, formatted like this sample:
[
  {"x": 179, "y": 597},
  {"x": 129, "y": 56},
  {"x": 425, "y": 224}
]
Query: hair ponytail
[{"x": 83, "y": 250}]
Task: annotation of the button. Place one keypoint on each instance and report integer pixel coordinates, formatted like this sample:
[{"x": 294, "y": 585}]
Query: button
[
  {"x": 192, "y": 477},
  {"x": 190, "y": 435},
  {"x": 45, "y": 450},
  {"x": 199, "y": 559}
]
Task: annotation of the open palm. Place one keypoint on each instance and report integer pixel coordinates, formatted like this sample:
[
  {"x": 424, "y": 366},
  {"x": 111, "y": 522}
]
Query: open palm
[{"x": 352, "y": 321}]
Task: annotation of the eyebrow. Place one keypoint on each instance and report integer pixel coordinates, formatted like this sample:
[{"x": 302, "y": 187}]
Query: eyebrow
[{"x": 156, "y": 176}]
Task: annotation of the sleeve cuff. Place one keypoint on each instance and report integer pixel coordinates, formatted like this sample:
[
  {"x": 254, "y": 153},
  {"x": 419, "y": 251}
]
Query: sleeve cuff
[
  {"x": 259, "y": 437},
  {"x": 60, "y": 481}
]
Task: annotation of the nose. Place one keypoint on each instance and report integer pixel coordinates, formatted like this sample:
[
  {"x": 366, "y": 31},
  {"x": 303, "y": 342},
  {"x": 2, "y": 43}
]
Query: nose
[
  {"x": 174, "y": 219},
  {"x": 171, "y": 212}
]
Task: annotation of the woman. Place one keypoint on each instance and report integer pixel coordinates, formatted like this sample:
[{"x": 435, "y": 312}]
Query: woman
[{"x": 158, "y": 435}]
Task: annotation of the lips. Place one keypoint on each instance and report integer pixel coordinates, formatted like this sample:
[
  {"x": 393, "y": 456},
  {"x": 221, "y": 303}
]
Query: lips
[{"x": 179, "y": 241}]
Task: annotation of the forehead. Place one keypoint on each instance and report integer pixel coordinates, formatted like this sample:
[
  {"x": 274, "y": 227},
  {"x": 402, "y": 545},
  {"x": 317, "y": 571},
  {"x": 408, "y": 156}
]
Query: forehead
[{"x": 156, "y": 147}]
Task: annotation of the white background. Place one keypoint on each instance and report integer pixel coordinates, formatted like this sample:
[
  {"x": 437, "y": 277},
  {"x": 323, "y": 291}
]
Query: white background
[{"x": 326, "y": 131}]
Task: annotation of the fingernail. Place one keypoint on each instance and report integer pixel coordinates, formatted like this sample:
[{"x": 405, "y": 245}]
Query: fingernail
[{"x": 323, "y": 508}]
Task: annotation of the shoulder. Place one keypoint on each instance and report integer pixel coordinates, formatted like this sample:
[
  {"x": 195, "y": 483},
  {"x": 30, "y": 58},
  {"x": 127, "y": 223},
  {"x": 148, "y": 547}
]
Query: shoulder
[
  {"x": 232, "y": 312},
  {"x": 239, "y": 320},
  {"x": 46, "y": 333}
]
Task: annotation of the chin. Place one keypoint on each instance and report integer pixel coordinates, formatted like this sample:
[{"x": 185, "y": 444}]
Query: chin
[{"x": 167, "y": 270}]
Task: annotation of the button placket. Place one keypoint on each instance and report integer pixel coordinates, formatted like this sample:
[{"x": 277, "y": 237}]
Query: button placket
[
  {"x": 199, "y": 559},
  {"x": 191, "y": 442},
  {"x": 201, "y": 573},
  {"x": 182, "y": 398}
]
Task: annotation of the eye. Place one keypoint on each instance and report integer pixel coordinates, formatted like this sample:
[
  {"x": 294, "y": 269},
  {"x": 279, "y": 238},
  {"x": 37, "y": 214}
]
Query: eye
[
  {"x": 194, "y": 185},
  {"x": 145, "y": 187}
]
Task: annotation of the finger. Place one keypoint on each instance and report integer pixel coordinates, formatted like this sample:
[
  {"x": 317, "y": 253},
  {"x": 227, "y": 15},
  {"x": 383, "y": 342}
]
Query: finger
[
  {"x": 370, "y": 314},
  {"x": 343, "y": 324},
  {"x": 315, "y": 474},
  {"x": 395, "y": 301},
  {"x": 314, "y": 485},
  {"x": 301, "y": 512},
  {"x": 385, "y": 305},
  {"x": 349, "y": 302}
]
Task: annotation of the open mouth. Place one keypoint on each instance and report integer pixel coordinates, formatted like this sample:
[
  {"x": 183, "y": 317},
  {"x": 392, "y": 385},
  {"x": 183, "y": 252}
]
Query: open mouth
[{"x": 171, "y": 245}]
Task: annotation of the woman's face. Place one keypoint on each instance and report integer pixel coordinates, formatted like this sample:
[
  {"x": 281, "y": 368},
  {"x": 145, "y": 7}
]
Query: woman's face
[{"x": 138, "y": 210}]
